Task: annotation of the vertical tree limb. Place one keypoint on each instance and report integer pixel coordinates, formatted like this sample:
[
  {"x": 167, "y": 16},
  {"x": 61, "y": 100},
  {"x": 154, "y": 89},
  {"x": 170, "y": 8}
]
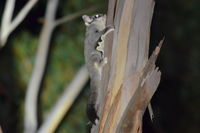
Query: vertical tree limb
[
  {"x": 22, "y": 14},
  {"x": 7, "y": 15},
  {"x": 132, "y": 77},
  {"x": 30, "y": 119},
  {"x": 65, "y": 101},
  {"x": 6, "y": 21},
  {"x": 131, "y": 120},
  {"x": 57, "y": 112},
  {"x": 7, "y": 25}
]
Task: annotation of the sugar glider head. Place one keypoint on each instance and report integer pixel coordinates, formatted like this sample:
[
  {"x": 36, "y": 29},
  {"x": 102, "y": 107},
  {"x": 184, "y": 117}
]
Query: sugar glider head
[{"x": 98, "y": 21}]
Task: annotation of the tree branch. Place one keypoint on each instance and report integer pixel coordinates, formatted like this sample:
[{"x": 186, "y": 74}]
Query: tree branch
[
  {"x": 76, "y": 15},
  {"x": 22, "y": 14},
  {"x": 131, "y": 121},
  {"x": 30, "y": 119},
  {"x": 65, "y": 101},
  {"x": 8, "y": 26},
  {"x": 7, "y": 15},
  {"x": 132, "y": 76},
  {"x": 6, "y": 20}
]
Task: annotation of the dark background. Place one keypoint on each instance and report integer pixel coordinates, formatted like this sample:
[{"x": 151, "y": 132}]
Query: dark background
[{"x": 176, "y": 103}]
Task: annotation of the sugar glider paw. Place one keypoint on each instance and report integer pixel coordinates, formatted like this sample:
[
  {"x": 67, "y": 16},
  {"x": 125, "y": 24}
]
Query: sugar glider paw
[{"x": 105, "y": 60}]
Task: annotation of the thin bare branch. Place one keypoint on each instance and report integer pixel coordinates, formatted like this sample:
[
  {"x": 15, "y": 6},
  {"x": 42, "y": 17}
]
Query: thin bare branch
[
  {"x": 76, "y": 15},
  {"x": 6, "y": 20},
  {"x": 8, "y": 26},
  {"x": 22, "y": 14},
  {"x": 65, "y": 101},
  {"x": 8, "y": 13},
  {"x": 30, "y": 120}
]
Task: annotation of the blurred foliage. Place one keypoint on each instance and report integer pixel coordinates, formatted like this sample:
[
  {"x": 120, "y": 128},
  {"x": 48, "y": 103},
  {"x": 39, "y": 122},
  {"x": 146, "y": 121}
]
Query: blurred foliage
[
  {"x": 65, "y": 58},
  {"x": 176, "y": 103}
]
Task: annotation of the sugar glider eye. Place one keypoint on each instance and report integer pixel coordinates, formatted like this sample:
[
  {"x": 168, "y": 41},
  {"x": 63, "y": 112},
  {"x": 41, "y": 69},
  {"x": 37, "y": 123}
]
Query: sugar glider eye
[{"x": 96, "y": 16}]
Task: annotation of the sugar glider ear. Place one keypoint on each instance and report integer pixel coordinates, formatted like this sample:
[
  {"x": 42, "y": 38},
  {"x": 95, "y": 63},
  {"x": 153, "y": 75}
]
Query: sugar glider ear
[{"x": 87, "y": 20}]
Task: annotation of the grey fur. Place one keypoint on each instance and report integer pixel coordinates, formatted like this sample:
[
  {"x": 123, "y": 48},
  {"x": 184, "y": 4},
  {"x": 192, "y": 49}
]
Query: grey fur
[{"x": 94, "y": 59}]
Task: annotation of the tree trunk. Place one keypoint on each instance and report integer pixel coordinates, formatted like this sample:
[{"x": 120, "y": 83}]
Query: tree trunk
[{"x": 130, "y": 78}]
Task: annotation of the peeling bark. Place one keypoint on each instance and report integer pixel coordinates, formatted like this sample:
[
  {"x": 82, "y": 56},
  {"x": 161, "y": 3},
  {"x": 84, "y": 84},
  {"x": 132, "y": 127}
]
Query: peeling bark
[{"x": 130, "y": 77}]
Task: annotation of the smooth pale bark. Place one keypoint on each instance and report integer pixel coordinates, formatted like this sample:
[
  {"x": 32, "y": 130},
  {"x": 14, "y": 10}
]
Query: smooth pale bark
[
  {"x": 8, "y": 25},
  {"x": 64, "y": 103},
  {"x": 130, "y": 78},
  {"x": 30, "y": 118}
]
